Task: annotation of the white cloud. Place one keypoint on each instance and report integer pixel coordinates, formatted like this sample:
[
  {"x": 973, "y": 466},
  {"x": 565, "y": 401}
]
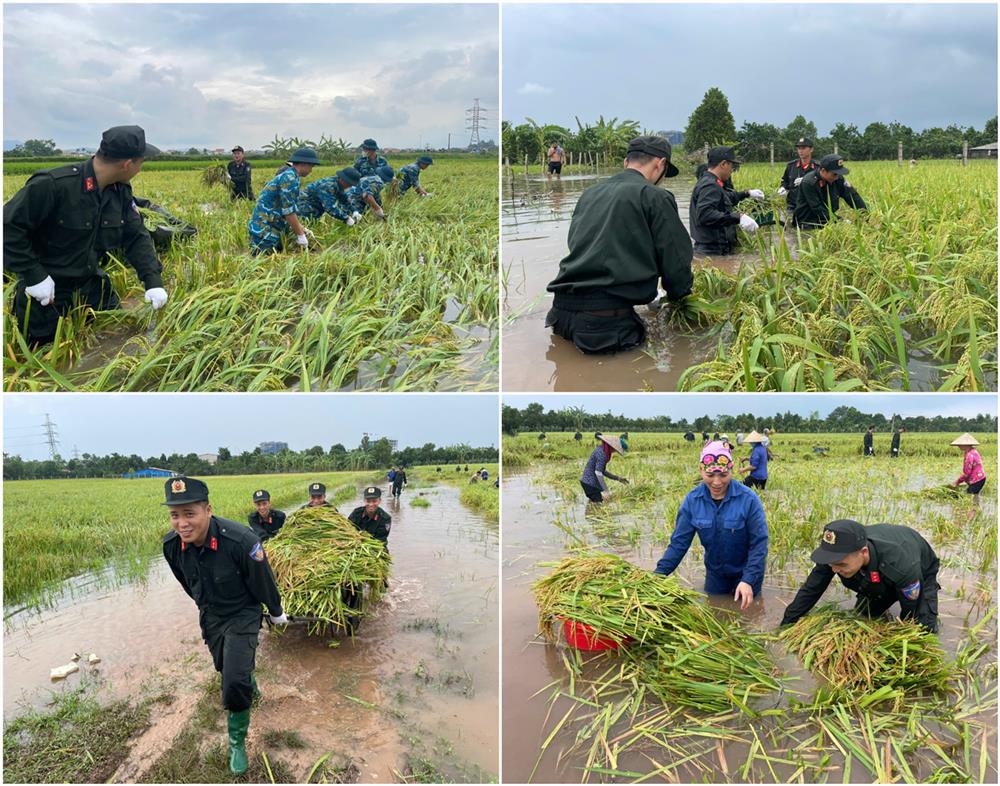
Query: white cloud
[{"x": 533, "y": 89}]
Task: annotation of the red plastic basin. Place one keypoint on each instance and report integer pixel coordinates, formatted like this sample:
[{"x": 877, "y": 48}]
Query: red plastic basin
[{"x": 583, "y": 637}]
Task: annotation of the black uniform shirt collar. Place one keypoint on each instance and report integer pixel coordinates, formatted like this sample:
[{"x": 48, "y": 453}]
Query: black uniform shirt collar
[
  {"x": 873, "y": 565},
  {"x": 212, "y": 534}
]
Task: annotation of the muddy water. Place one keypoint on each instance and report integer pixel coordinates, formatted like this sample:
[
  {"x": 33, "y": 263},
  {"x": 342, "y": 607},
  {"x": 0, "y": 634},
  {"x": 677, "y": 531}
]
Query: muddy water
[
  {"x": 529, "y": 665},
  {"x": 425, "y": 668},
  {"x": 535, "y": 223}
]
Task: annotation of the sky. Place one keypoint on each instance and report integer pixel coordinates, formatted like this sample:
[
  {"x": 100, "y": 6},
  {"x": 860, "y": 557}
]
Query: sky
[
  {"x": 693, "y": 405},
  {"x": 149, "y": 424},
  {"x": 220, "y": 75},
  {"x": 921, "y": 65}
]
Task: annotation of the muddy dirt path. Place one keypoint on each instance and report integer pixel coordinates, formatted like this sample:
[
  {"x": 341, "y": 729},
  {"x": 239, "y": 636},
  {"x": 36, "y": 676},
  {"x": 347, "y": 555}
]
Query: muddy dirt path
[
  {"x": 423, "y": 671},
  {"x": 530, "y": 537}
]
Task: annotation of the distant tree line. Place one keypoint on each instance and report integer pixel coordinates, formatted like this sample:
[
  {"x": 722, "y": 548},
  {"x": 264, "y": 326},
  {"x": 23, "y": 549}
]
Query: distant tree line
[
  {"x": 369, "y": 455},
  {"x": 711, "y": 123},
  {"x": 843, "y": 419}
]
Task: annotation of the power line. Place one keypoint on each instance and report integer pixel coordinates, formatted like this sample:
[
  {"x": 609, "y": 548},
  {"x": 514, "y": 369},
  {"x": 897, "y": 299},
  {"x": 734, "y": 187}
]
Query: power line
[{"x": 52, "y": 436}]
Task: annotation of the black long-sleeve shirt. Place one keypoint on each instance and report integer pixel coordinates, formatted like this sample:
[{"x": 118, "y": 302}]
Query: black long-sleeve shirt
[
  {"x": 377, "y": 525},
  {"x": 818, "y": 201},
  {"x": 269, "y": 527},
  {"x": 712, "y": 214}
]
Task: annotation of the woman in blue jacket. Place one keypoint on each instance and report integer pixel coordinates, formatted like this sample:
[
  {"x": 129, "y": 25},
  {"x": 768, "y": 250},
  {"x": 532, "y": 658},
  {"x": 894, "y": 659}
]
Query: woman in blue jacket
[{"x": 731, "y": 525}]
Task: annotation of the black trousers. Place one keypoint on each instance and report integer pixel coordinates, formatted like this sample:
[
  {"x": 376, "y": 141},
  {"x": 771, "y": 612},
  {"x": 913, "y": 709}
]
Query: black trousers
[
  {"x": 396, "y": 488},
  {"x": 758, "y": 483},
  {"x": 233, "y": 644},
  {"x": 595, "y": 335},
  {"x": 593, "y": 492},
  {"x": 240, "y": 191},
  {"x": 926, "y": 613},
  {"x": 95, "y": 291}
]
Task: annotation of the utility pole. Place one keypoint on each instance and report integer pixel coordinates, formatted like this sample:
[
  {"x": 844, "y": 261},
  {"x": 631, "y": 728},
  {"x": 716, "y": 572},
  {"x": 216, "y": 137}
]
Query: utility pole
[
  {"x": 51, "y": 436},
  {"x": 449, "y": 140},
  {"x": 475, "y": 121},
  {"x": 76, "y": 453}
]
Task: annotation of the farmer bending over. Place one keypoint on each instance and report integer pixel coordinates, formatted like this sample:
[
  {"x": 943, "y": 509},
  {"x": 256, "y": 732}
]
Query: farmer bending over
[
  {"x": 821, "y": 191},
  {"x": 973, "y": 474},
  {"x": 63, "y": 224},
  {"x": 731, "y": 525},
  {"x": 222, "y": 566},
  {"x": 265, "y": 521},
  {"x": 331, "y": 195},
  {"x": 625, "y": 236},
  {"x": 409, "y": 175},
  {"x": 756, "y": 470},
  {"x": 596, "y": 470}
]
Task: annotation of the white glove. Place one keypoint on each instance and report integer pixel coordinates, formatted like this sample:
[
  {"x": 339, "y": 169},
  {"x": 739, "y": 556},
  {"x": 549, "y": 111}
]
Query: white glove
[
  {"x": 356, "y": 215},
  {"x": 427, "y": 194},
  {"x": 797, "y": 181},
  {"x": 157, "y": 296},
  {"x": 756, "y": 193},
  {"x": 44, "y": 291},
  {"x": 782, "y": 191},
  {"x": 282, "y": 620},
  {"x": 747, "y": 224},
  {"x": 605, "y": 495},
  {"x": 309, "y": 233},
  {"x": 350, "y": 221},
  {"x": 302, "y": 240}
]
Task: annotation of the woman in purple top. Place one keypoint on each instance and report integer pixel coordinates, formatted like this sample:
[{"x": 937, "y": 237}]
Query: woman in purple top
[{"x": 596, "y": 470}]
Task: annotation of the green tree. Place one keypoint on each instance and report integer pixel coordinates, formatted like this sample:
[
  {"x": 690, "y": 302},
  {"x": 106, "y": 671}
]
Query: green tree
[
  {"x": 753, "y": 141},
  {"x": 34, "y": 148},
  {"x": 381, "y": 453},
  {"x": 848, "y": 140},
  {"x": 877, "y": 142},
  {"x": 711, "y": 123},
  {"x": 798, "y": 128}
]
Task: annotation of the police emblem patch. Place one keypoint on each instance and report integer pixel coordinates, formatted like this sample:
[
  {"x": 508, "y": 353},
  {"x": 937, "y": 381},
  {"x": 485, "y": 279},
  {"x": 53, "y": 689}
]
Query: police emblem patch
[
  {"x": 257, "y": 553},
  {"x": 178, "y": 487},
  {"x": 911, "y": 591},
  {"x": 829, "y": 536},
  {"x": 315, "y": 487}
]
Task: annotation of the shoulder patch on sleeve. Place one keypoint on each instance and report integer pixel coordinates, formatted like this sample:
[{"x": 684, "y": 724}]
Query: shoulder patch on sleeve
[
  {"x": 911, "y": 591},
  {"x": 257, "y": 552}
]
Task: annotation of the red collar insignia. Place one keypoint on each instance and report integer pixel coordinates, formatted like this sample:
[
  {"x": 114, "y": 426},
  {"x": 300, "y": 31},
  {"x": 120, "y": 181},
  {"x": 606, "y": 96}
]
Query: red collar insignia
[
  {"x": 719, "y": 182},
  {"x": 213, "y": 544},
  {"x": 183, "y": 545},
  {"x": 875, "y": 577},
  {"x": 88, "y": 184}
]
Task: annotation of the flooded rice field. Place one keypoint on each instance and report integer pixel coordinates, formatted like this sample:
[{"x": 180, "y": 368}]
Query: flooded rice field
[
  {"x": 567, "y": 719},
  {"x": 419, "y": 682}
]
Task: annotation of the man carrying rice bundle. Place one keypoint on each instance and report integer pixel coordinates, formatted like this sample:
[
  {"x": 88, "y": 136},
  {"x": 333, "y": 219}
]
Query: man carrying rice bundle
[
  {"x": 222, "y": 566},
  {"x": 883, "y": 563},
  {"x": 731, "y": 525}
]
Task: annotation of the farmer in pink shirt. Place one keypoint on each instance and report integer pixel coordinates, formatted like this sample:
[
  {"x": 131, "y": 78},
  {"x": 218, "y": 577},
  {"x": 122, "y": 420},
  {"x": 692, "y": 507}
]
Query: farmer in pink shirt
[{"x": 972, "y": 468}]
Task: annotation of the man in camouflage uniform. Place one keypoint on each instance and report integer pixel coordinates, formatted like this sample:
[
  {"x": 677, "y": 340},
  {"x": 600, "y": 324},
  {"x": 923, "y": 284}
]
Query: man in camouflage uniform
[
  {"x": 275, "y": 211},
  {"x": 330, "y": 195},
  {"x": 410, "y": 175},
  {"x": 61, "y": 226},
  {"x": 367, "y": 193},
  {"x": 369, "y": 161}
]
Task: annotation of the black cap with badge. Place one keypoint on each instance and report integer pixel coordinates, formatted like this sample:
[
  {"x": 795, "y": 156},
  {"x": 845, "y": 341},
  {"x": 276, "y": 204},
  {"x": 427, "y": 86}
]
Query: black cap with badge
[
  {"x": 840, "y": 538},
  {"x": 373, "y": 492},
  {"x": 183, "y": 491},
  {"x": 722, "y": 153},
  {"x": 833, "y": 163},
  {"x": 656, "y": 146},
  {"x": 126, "y": 142},
  {"x": 804, "y": 141},
  {"x": 316, "y": 489},
  {"x": 261, "y": 495}
]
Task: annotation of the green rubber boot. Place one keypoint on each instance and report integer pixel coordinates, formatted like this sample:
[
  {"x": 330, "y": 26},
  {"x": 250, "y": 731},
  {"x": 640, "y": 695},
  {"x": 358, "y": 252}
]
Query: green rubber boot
[
  {"x": 239, "y": 722},
  {"x": 253, "y": 686}
]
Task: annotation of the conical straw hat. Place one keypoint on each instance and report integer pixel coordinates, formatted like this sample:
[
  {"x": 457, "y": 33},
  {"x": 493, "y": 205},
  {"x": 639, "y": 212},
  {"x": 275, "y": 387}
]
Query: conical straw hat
[
  {"x": 614, "y": 442},
  {"x": 753, "y": 436},
  {"x": 965, "y": 439}
]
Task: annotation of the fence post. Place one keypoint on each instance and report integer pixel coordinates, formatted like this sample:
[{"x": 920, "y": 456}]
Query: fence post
[
  {"x": 836, "y": 152},
  {"x": 772, "y": 154},
  {"x": 899, "y": 154},
  {"x": 525, "y": 163},
  {"x": 965, "y": 153}
]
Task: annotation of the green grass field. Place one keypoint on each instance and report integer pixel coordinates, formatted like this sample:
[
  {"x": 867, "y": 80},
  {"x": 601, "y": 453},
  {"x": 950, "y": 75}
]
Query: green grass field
[{"x": 410, "y": 304}]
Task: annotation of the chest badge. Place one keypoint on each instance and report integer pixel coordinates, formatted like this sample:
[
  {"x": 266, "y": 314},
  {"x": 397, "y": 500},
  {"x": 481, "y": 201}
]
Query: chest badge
[
  {"x": 876, "y": 579},
  {"x": 213, "y": 544},
  {"x": 88, "y": 184}
]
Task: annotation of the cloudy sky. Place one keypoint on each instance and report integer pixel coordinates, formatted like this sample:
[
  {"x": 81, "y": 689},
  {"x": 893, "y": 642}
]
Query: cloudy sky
[
  {"x": 152, "y": 423},
  {"x": 692, "y": 405},
  {"x": 219, "y": 75},
  {"x": 923, "y": 65}
]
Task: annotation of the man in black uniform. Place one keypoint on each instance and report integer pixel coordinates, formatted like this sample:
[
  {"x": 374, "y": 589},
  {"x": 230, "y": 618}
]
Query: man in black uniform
[
  {"x": 894, "y": 448},
  {"x": 625, "y": 236},
  {"x": 222, "y": 566},
  {"x": 239, "y": 171},
  {"x": 883, "y": 564},
  {"x": 398, "y": 481},
  {"x": 713, "y": 216},
  {"x": 796, "y": 170},
  {"x": 317, "y": 497},
  {"x": 265, "y": 521},
  {"x": 821, "y": 191},
  {"x": 371, "y": 518},
  {"x": 63, "y": 223},
  {"x": 869, "y": 441},
  {"x": 689, "y": 436}
]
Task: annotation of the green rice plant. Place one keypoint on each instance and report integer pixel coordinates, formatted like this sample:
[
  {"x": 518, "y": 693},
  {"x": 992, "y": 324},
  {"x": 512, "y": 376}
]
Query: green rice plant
[
  {"x": 868, "y": 660},
  {"x": 676, "y": 646},
  {"x": 318, "y": 557},
  {"x": 420, "y": 502},
  {"x": 943, "y": 493},
  {"x": 214, "y": 175}
]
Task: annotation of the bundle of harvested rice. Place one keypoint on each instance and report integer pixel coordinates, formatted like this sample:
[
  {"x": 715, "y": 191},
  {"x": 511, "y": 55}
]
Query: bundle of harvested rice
[
  {"x": 682, "y": 651},
  {"x": 214, "y": 174},
  {"x": 943, "y": 493},
  {"x": 321, "y": 561},
  {"x": 856, "y": 655}
]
